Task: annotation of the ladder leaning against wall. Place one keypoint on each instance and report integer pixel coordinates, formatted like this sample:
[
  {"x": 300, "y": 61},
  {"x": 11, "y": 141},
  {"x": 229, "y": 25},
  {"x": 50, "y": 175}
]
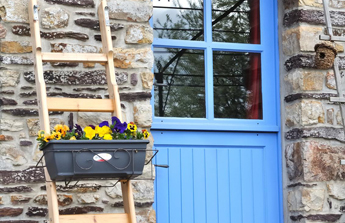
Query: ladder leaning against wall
[{"x": 46, "y": 104}]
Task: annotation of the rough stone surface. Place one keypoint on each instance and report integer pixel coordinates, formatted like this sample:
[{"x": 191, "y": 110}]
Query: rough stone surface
[
  {"x": 147, "y": 79},
  {"x": 30, "y": 175},
  {"x": 143, "y": 115},
  {"x": 318, "y": 132},
  {"x": 77, "y": 3},
  {"x": 19, "y": 199},
  {"x": 54, "y": 18},
  {"x": 300, "y": 61},
  {"x": 80, "y": 188},
  {"x": 10, "y": 212},
  {"x": 133, "y": 58},
  {"x": 338, "y": 118},
  {"x": 86, "y": 118},
  {"x": 94, "y": 24},
  {"x": 14, "y": 11},
  {"x": 336, "y": 190},
  {"x": 294, "y": 162},
  {"x": 7, "y": 92},
  {"x": 33, "y": 125},
  {"x": 306, "y": 199},
  {"x": 81, "y": 210},
  {"x": 16, "y": 60},
  {"x": 11, "y": 156},
  {"x": 9, "y": 78},
  {"x": 132, "y": 10},
  {"x": 139, "y": 34},
  {"x": 134, "y": 79},
  {"x": 63, "y": 199},
  {"x": 6, "y": 138},
  {"x": 25, "y": 143},
  {"x": 62, "y": 77},
  {"x": 3, "y": 32},
  {"x": 37, "y": 212},
  {"x": 15, "y": 47},
  {"x": 305, "y": 80},
  {"x": 11, "y": 125},
  {"x": 114, "y": 192},
  {"x": 319, "y": 96},
  {"x": 25, "y": 112},
  {"x": 330, "y": 116},
  {"x": 330, "y": 81},
  {"x": 146, "y": 216},
  {"x": 21, "y": 30},
  {"x": 7, "y": 101},
  {"x": 87, "y": 198},
  {"x": 22, "y": 189},
  {"x": 318, "y": 217},
  {"x": 305, "y": 113}
]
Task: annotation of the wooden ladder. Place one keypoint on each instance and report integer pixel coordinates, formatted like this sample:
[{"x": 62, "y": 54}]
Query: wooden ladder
[{"x": 46, "y": 104}]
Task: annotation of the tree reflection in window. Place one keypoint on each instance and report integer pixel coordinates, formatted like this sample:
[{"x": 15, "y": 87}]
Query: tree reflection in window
[{"x": 179, "y": 73}]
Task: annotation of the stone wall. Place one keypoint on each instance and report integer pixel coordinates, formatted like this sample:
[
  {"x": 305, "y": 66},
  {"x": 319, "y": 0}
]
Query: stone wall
[
  {"x": 313, "y": 143},
  {"x": 69, "y": 26}
]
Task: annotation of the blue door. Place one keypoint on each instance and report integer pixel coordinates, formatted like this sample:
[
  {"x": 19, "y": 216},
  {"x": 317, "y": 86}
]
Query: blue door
[{"x": 216, "y": 111}]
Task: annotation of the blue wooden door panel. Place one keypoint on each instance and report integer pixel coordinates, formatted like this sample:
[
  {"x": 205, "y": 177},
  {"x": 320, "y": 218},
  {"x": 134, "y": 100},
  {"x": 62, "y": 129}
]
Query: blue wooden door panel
[{"x": 234, "y": 181}]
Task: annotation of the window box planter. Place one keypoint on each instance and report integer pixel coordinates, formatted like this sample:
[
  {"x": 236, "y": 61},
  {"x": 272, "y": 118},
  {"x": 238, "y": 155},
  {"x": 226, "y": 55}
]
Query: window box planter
[{"x": 86, "y": 159}]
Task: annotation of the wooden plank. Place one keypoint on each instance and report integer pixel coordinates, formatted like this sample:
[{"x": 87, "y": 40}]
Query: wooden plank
[
  {"x": 128, "y": 201},
  {"x": 94, "y": 218},
  {"x": 109, "y": 67},
  {"x": 80, "y": 104},
  {"x": 74, "y": 57},
  {"x": 53, "y": 208}
]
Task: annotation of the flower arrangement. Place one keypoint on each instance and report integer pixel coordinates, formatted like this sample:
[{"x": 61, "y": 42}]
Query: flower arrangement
[{"x": 115, "y": 131}]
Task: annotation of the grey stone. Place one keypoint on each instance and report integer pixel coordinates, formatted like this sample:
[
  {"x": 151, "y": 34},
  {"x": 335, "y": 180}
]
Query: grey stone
[
  {"x": 76, "y": 3},
  {"x": 294, "y": 162},
  {"x": 300, "y": 61},
  {"x": 3, "y": 31},
  {"x": 36, "y": 211},
  {"x": 134, "y": 79},
  {"x": 79, "y": 188},
  {"x": 11, "y": 156},
  {"x": 319, "y": 96},
  {"x": 94, "y": 24},
  {"x": 17, "y": 189},
  {"x": 7, "y": 92},
  {"x": 33, "y": 125},
  {"x": 11, "y": 125},
  {"x": 317, "y": 132},
  {"x": 318, "y": 217},
  {"x": 90, "y": 89},
  {"x": 336, "y": 190},
  {"x": 139, "y": 34},
  {"x": 138, "y": 11},
  {"x": 305, "y": 199},
  {"x": 143, "y": 115},
  {"x": 30, "y": 175},
  {"x": 25, "y": 143},
  {"x": 54, "y": 18},
  {"x": 30, "y": 102},
  {"x": 81, "y": 210},
  {"x": 26, "y": 112},
  {"x": 114, "y": 192},
  {"x": 9, "y": 78},
  {"x": 7, "y": 101},
  {"x": 330, "y": 116},
  {"x": 86, "y": 13},
  {"x": 87, "y": 198},
  {"x": 14, "y": 11},
  {"x": 16, "y": 60}
]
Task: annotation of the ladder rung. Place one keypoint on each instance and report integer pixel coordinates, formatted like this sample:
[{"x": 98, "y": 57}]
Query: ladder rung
[
  {"x": 94, "y": 218},
  {"x": 337, "y": 99},
  {"x": 78, "y": 104},
  {"x": 74, "y": 57}
]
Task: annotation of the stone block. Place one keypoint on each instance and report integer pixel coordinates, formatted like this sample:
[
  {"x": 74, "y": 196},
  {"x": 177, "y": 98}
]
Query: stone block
[
  {"x": 3, "y": 31},
  {"x": 134, "y": 79},
  {"x": 139, "y": 34},
  {"x": 87, "y": 198},
  {"x": 75, "y": 3},
  {"x": 21, "y": 189},
  {"x": 114, "y": 192},
  {"x": 63, "y": 199},
  {"x": 79, "y": 188},
  {"x": 6, "y": 138},
  {"x": 14, "y": 11},
  {"x": 7, "y": 101},
  {"x": 336, "y": 190},
  {"x": 305, "y": 80},
  {"x": 330, "y": 81},
  {"x": 143, "y": 190},
  {"x": 11, "y": 156},
  {"x": 304, "y": 113},
  {"x": 306, "y": 199},
  {"x": 54, "y": 18},
  {"x": 94, "y": 24},
  {"x": 9, "y": 78},
  {"x": 146, "y": 216},
  {"x": 315, "y": 161},
  {"x": 15, "y": 125},
  {"x": 34, "y": 127},
  {"x": 15, "y": 47},
  {"x": 330, "y": 116},
  {"x": 300, "y": 61},
  {"x": 19, "y": 199},
  {"x": 133, "y": 58},
  {"x": 131, "y": 10},
  {"x": 147, "y": 79},
  {"x": 16, "y": 60},
  {"x": 81, "y": 210},
  {"x": 338, "y": 118},
  {"x": 143, "y": 115},
  {"x": 37, "y": 212},
  {"x": 87, "y": 118},
  {"x": 10, "y": 212}
]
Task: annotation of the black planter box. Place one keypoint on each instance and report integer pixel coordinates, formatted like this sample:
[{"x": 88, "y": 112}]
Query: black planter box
[{"x": 86, "y": 159}]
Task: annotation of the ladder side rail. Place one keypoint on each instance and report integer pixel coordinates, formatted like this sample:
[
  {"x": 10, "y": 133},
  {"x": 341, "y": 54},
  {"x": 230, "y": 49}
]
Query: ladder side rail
[
  {"x": 328, "y": 18},
  {"x": 42, "y": 103},
  {"x": 107, "y": 47}
]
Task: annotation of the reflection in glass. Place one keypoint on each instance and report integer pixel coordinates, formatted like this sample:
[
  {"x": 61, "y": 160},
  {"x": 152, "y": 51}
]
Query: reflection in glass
[
  {"x": 180, "y": 83},
  {"x": 237, "y": 85},
  {"x": 236, "y": 21},
  {"x": 178, "y": 19}
]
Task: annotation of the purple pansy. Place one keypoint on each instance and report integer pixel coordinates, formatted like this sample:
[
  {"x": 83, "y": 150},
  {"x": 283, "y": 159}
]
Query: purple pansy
[
  {"x": 118, "y": 126},
  {"x": 92, "y": 126},
  {"x": 78, "y": 130},
  {"x": 104, "y": 123}
]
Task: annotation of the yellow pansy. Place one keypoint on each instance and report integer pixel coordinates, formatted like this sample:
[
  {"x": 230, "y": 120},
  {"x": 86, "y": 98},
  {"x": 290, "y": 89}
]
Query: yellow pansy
[
  {"x": 132, "y": 127},
  {"x": 89, "y": 132},
  {"x": 107, "y": 137},
  {"x": 73, "y": 138},
  {"x": 41, "y": 134},
  {"x": 146, "y": 134}
]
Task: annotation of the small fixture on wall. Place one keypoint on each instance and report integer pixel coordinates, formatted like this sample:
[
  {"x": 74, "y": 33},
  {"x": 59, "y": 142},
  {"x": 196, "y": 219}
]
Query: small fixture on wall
[{"x": 325, "y": 55}]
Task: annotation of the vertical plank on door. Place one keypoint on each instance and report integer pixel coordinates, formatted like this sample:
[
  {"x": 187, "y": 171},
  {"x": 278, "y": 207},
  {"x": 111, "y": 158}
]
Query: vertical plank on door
[
  {"x": 235, "y": 186},
  {"x": 187, "y": 185},
  {"x": 259, "y": 188},
  {"x": 211, "y": 185},
  {"x": 175, "y": 184},
  {"x": 247, "y": 186},
  {"x": 162, "y": 181},
  {"x": 223, "y": 184},
  {"x": 199, "y": 185}
]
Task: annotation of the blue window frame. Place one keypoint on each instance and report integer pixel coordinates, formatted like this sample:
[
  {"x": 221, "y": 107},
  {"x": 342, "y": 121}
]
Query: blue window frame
[{"x": 267, "y": 48}]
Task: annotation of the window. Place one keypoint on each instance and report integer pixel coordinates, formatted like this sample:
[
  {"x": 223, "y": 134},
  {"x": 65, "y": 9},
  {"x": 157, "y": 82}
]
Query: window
[{"x": 209, "y": 58}]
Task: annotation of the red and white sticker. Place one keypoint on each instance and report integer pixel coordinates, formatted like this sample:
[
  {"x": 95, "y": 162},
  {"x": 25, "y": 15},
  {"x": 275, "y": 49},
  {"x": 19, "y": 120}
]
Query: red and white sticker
[{"x": 102, "y": 157}]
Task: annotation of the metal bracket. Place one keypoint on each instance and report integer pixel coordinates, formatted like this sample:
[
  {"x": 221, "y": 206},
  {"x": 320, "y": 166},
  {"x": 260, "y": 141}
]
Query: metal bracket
[
  {"x": 35, "y": 12},
  {"x": 106, "y": 15}
]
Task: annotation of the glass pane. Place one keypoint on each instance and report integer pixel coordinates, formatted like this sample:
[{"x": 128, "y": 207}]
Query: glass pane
[
  {"x": 236, "y": 21},
  {"x": 178, "y": 19},
  {"x": 237, "y": 85},
  {"x": 180, "y": 87}
]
